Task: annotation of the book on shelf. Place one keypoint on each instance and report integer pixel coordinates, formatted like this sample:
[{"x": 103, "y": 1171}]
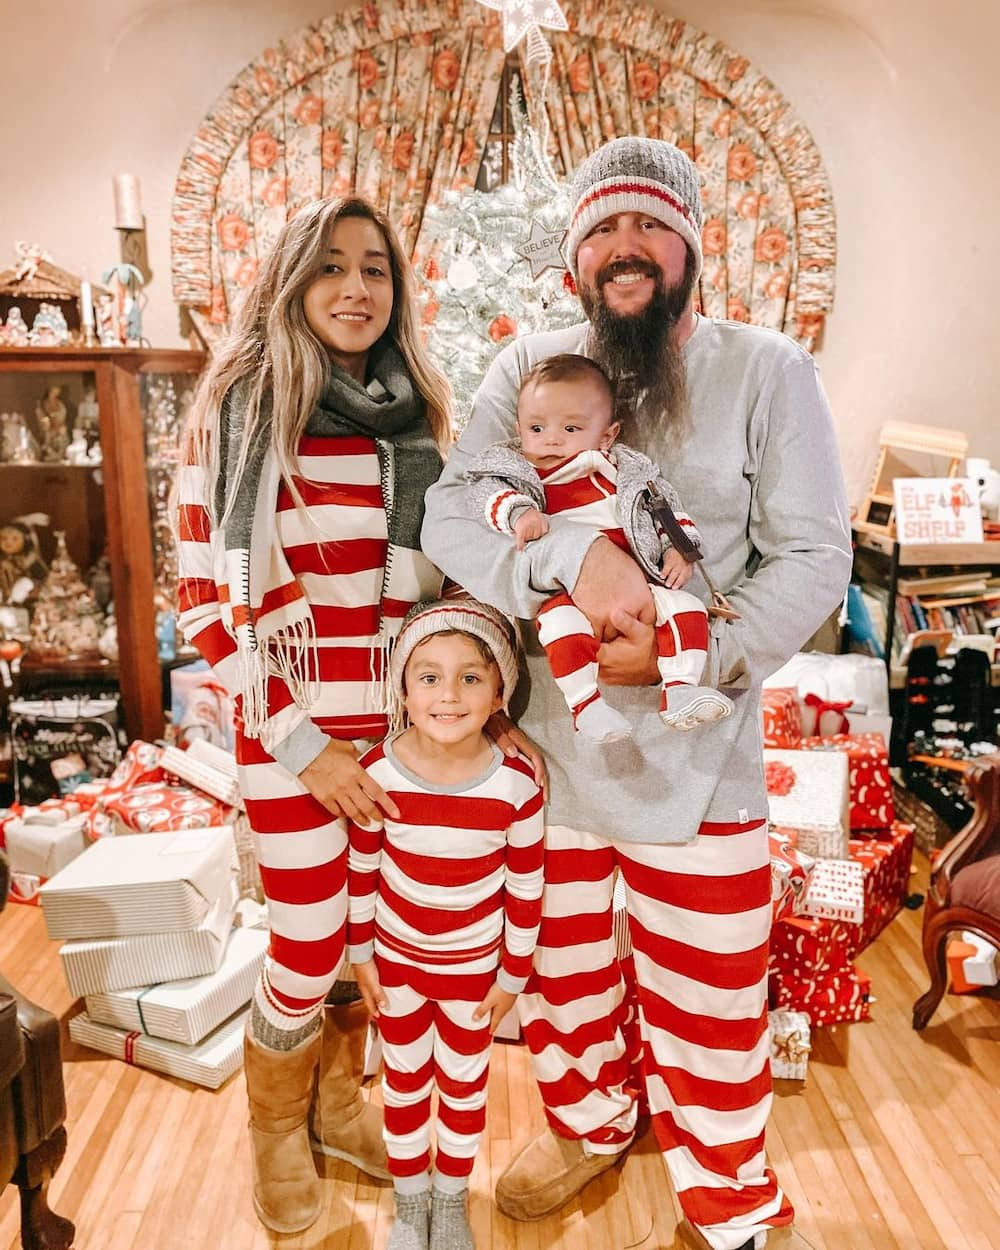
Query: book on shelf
[
  {"x": 866, "y": 619},
  {"x": 971, "y": 582}
]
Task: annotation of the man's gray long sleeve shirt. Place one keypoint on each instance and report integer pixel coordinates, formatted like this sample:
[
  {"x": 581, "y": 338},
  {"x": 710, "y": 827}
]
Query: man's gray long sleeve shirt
[{"x": 758, "y": 466}]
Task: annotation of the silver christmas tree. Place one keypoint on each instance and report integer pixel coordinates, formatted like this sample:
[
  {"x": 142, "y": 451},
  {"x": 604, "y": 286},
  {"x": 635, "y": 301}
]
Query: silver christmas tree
[{"x": 495, "y": 270}]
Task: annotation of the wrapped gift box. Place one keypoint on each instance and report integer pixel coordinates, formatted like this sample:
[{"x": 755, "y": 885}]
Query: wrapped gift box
[
  {"x": 185, "y": 1011},
  {"x": 886, "y": 863},
  {"x": 807, "y": 796},
  {"x": 802, "y": 948},
  {"x": 782, "y": 714},
  {"x": 39, "y": 844},
  {"x": 868, "y": 777},
  {"x": 790, "y": 870},
  {"x": 100, "y": 965},
  {"x": 972, "y": 963},
  {"x": 210, "y": 1063},
  {"x": 835, "y": 891},
  {"x": 860, "y": 680},
  {"x": 159, "y": 883},
  {"x": 160, "y": 808},
  {"x": 839, "y": 997},
  {"x": 789, "y": 1039}
]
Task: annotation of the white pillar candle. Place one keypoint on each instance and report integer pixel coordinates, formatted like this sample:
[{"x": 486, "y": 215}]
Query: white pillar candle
[
  {"x": 86, "y": 305},
  {"x": 128, "y": 208}
]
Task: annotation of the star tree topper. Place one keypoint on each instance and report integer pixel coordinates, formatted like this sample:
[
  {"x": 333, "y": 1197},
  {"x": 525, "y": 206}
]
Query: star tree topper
[
  {"x": 526, "y": 17},
  {"x": 542, "y": 249}
]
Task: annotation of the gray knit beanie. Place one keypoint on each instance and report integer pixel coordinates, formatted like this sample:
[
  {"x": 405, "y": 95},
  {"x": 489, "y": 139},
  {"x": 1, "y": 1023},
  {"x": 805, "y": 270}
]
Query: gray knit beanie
[
  {"x": 466, "y": 616},
  {"x": 634, "y": 175}
]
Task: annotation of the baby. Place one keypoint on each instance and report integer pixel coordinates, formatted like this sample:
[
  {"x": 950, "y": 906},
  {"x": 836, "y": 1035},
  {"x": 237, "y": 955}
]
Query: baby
[{"x": 565, "y": 461}]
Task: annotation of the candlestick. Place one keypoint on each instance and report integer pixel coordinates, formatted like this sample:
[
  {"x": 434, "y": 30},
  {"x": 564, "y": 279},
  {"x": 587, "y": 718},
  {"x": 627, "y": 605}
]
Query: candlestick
[
  {"x": 128, "y": 207},
  {"x": 86, "y": 305}
]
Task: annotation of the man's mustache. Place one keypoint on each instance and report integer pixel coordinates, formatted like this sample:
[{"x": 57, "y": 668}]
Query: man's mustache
[{"x": 636, "y": 265}]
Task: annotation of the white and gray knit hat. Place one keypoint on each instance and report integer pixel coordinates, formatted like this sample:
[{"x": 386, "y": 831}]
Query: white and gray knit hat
[
  {"x": 467, "y": 616},
  {"x": 634, "y": 175}
]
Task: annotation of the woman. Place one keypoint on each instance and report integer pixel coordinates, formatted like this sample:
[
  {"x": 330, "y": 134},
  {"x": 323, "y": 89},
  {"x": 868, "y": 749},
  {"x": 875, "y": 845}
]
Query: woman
[{"x": 312, "y": 440}]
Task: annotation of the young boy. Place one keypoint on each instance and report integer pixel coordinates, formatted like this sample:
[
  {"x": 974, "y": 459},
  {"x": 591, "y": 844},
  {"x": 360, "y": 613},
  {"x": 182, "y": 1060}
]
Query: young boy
[
  {"x": 445, "y": 904},
  {"x": 564, "y": 463}
]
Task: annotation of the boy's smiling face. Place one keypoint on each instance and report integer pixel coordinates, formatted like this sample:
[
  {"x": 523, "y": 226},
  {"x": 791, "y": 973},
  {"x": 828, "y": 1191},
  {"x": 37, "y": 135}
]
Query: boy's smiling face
[{"x": 451, "y": 688}]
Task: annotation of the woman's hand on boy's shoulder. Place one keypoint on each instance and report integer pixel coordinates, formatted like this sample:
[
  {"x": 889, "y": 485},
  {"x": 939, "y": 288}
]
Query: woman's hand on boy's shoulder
[
  {"x": 339, "y": 782},
  {"x": 513, "y": 741}
]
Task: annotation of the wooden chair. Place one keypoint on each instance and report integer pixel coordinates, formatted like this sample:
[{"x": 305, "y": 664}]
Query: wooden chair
[{"x": 964, "y": 891}]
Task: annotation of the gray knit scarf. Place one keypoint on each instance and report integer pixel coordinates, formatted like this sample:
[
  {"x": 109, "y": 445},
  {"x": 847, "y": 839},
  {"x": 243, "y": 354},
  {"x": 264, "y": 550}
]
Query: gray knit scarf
[{"x": 389, "y": 409}]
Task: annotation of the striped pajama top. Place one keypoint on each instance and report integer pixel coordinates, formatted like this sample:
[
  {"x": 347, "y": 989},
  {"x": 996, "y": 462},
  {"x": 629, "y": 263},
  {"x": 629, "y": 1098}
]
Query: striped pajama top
[
  {"x": 338, "y": 554},
  {"x": 455, "y": 884}
]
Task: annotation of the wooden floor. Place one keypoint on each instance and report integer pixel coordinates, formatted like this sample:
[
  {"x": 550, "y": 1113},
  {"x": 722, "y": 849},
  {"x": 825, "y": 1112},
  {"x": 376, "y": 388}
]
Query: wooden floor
[{"x": 892, "y": 1143}]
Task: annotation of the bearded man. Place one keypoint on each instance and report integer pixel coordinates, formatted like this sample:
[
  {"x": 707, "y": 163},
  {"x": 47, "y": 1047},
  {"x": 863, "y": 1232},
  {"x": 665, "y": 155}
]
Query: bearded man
[{"x": 735, "y": 417}]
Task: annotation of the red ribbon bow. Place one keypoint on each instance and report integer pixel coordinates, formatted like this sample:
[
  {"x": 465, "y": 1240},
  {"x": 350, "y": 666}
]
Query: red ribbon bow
[{"x": 825, "y": 705}]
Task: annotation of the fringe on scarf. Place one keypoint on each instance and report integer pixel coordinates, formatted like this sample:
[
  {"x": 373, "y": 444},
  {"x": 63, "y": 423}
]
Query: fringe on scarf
[{"x": 291, "y": 654}]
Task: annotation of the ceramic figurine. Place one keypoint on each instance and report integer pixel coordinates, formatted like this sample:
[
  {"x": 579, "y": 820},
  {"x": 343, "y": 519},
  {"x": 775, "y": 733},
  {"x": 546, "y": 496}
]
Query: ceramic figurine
[
  {"x": 52, "y": 418},
  {"x": 49, "y": 328},
  {"x": 15, "y": 332},
  {"x": 19, "y": 444}
]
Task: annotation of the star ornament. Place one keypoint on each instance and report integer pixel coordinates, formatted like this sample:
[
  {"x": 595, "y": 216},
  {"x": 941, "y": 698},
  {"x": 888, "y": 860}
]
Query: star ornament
[
  {"x": 520, "y": 16},
  {"x": 542, "y": 249}
]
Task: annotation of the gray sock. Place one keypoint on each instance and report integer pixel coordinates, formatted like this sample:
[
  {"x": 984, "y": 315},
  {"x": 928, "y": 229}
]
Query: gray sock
[
  {"x": 410, "y": 1229},
  {"x": 450, "y": 1221},
  {"x": 263, "y": 1031}
]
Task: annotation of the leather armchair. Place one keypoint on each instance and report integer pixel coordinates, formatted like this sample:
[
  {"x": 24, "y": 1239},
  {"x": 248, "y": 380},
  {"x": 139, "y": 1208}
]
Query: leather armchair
[
  {"x": 964, "y": 891},
  {"x": 32, "y": 1109}
]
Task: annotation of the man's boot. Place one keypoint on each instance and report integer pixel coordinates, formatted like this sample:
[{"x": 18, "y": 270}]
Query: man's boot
[
  {"x": 342, "y": 1123},
  {"x": 687, "y": 1237},
  {"x": 286, "y": 1191},
  {"x": 547, "y": 1173}
]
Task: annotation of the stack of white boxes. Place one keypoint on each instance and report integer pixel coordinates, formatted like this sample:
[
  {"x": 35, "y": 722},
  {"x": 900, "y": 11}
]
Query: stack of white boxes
[{"x": 148, "y": 941}]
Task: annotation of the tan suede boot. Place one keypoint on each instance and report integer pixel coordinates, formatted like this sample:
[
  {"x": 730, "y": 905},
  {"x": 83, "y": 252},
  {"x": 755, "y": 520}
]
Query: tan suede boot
[
  {"x": 342, "y": 1124},
  {"x": 687, "y": 1237},
  {"x": 286, "y": 1192},
  {"x": 547, "y": 1173}
]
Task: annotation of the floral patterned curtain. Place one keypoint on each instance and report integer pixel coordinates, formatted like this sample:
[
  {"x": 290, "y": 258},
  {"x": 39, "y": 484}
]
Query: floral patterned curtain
[
  {"x": 769, "y": 235},
  {"x": 395, "y": 98},
  {"x": 391, "y": 100}
]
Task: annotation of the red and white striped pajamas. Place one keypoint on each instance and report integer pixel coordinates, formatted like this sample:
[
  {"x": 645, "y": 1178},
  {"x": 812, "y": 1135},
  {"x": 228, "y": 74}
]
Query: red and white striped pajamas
[
  {"x": 447, "y": 901},
  {"x": 338, "y": 556},
  {"x": 699, "y": 919},
  {"x": 584, "y": 490}
]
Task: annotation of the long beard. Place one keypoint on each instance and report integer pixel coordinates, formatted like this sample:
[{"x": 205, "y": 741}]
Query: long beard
[{"x": 639, "y": 352}]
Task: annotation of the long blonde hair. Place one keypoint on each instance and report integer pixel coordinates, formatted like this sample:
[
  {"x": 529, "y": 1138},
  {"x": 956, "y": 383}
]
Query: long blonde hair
[{"x": 272, "y": 346}]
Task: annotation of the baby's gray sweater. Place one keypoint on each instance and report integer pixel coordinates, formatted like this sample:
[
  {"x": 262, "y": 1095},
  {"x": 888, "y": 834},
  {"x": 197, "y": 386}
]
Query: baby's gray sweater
[{"x": 761, "y": 471}]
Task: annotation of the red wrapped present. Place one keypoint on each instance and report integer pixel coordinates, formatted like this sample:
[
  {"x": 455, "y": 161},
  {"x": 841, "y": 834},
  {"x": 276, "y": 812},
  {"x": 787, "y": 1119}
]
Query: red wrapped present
[
  {"x": 868, "y": 776},
  {"x": 782, "y": 713},
  {"x": 839, "y": 997},
  {"x": 140, "y": 767},
  {"x": 886, "y": 863},
  {"x": 803, "y": 947},
  {"x": 161, "y": 808},
  {"x": 790, "y": 869}
]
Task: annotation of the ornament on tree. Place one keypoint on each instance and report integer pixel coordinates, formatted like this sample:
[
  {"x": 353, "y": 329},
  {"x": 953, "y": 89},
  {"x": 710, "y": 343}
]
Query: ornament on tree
[
  {"x": 66, "y": 623},
  {"x": 543, "y": 249},
  {"x": 483, "y": 233}
]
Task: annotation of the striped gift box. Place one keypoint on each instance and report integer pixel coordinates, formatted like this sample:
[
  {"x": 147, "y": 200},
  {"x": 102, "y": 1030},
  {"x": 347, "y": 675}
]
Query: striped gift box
[
  {"x": 186, "y": 1011},
  {"x": 210, "y": 1063},
  {"x": 104, "y": 964}
]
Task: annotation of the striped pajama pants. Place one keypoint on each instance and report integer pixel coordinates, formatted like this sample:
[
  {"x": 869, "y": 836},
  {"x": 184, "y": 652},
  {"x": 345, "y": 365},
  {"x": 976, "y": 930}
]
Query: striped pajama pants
[
  {"x": 699, "y": 917},
  {"x": 571, "y": 645},
  {"x": 430, "y": 1040},
  {"x": 302, "y": 855}
]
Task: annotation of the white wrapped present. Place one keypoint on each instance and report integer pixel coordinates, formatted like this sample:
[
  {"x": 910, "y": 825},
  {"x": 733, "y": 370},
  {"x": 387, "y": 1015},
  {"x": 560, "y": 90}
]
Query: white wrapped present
[
  {"x": 100, "y": 965},
  {"x": 211, "y": 1062},
  {"x": 789, "y": 1037},
  {"x": 153, "y": 883},
  {"x": 185, "y": 1011},
  {"x": 38, "y": 846},
  {"x": 835, "y": 891},
  {"x": 810, "y": 800},
  {"x": 859, "y": 681}
]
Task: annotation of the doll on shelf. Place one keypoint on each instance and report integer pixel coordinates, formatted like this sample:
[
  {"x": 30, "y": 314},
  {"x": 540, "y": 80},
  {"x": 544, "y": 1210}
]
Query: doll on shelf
[{"x": 53, "y": 420}]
